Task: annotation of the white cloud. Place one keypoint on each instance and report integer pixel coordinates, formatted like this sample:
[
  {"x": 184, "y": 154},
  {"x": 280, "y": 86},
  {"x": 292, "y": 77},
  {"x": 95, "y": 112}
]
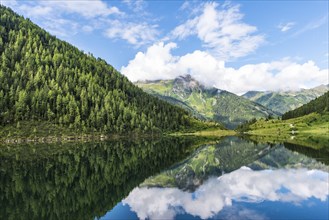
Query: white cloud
[
  {"x": 65, "y": 18},
  {"x": 241, "y": 185},
  {"x": 159, "y": 63},
  {"x": 87, "y": 9},
  {"x": 60, "y": 17},
  {"x": 221, "y": 30},
  {"x": 61, "y": 27},
  {"x": 285, "y": 27},
  {"x": 134, "y": 33},
  {"x": 156, "y": 63},
  {"x": 36, "y": 11}
]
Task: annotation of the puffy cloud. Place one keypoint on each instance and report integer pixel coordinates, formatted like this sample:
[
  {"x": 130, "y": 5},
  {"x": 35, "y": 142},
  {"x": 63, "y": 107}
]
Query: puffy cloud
[
  {"x": 285, "y": 27},
  {"x": 241, "y": 185},
  {"x": 156, "y": 63},
  {"x": 159, "y": 63},
  {"x": 221, "y": 30}
]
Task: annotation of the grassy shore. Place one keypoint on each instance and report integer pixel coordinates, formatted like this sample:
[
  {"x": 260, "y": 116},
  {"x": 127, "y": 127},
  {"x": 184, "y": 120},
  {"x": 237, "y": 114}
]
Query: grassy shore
[
  {"x": 311, "y": 130},
  {"x": 47, "y": 132},
  {"x": 206, "y": 133},
  {"x": 314, "y": 123}
]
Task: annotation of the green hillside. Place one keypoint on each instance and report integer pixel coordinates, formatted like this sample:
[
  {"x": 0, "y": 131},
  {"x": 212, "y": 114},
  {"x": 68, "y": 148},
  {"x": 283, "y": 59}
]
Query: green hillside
[
  {"x": 310, "y": 130},
  {"x": 282, "y": 102},
  {"x": 210, "y": 103},
  {"x": 319, "y": 105},
  {"x": 45, "y": 79},
  {"x": 307, "y": 125}
]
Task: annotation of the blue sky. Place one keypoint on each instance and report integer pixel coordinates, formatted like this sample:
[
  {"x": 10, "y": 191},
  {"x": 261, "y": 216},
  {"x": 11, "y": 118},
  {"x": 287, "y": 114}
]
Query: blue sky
[{"x": 232, "y": 45}]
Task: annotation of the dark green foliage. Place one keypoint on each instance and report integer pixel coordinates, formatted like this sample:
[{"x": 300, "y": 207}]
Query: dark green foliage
[
  {"x": 79, "y": 181},
  {"x": 321, "y": 155},
  {"x": 246, "y": 125},
  {"x": 43, "y": 78},
  {"x": 319, "y": 105}
]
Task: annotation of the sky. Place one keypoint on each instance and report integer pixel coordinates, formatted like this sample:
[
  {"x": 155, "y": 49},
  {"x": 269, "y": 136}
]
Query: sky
[{"x": 232, "y": 45}]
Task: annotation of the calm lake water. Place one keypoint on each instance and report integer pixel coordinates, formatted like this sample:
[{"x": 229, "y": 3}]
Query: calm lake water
[{"x": 174, "y": 178}]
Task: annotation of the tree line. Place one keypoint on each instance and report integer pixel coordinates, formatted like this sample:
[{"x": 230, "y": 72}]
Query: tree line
[{"x": 319, "y": 105}]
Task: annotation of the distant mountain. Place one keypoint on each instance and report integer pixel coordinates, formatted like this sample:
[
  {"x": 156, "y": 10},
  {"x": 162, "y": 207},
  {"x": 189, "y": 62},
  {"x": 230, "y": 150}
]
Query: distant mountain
[
  {"x": 282, "y": 102},
  {"x": 319, "y": 105},
  {"x": 206, "y": 102}
]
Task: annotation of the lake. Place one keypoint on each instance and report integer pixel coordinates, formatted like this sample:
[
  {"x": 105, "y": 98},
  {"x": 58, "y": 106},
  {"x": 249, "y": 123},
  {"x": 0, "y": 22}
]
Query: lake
[{"x": 165, "y": 178}]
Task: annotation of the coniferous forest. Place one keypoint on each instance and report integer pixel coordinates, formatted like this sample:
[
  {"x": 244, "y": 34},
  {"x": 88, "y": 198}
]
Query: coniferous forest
[
  {"x": 45, "y": 79},
  {"x": 319, "y": 105}
]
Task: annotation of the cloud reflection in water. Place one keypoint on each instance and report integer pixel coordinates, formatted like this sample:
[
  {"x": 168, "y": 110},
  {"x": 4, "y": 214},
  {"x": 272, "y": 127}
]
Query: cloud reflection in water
[{"x": 244, "y": 184}]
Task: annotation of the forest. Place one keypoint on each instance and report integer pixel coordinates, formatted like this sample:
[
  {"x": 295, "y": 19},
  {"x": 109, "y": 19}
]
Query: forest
[
  {"x": 45, "y": 79},
  {"x": 318, "y": 105}
]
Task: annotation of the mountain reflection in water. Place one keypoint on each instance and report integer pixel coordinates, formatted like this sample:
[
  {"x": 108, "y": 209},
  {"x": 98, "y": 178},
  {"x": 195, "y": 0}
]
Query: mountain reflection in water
[
  {"x": 235, "y": 179},
  {"x": 175, "y": 178}
]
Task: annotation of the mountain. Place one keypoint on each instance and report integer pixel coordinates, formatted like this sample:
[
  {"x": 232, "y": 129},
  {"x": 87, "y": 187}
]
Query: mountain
[
  {"x": 45, "y": 79},
  {"x": 285, "y": 101},
  {"x": 319, "y": 105},
  {"x": 206, "y": 102}
]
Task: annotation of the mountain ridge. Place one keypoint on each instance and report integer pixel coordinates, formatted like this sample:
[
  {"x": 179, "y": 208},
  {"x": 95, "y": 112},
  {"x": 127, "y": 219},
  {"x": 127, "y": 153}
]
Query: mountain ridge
[
  {"x": 212, "y": 103},
  {"x": 284, "y": 101}
]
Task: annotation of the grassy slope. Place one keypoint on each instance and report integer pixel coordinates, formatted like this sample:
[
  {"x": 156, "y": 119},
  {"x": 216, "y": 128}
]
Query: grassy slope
[
  {"x": 285, "y": 101},
  {"x": 311, "y": 130},
  {"x": 222, "y": 106}
]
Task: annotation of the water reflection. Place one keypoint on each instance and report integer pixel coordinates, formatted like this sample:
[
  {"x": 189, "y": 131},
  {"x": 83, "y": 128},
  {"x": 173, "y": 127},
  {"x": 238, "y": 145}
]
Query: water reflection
[
  {"x": 235, "y": 179},
  {"x": 242, "y": 185},
  {"x": 79, "y": 181},
  {"x": 211, "y": 160}
]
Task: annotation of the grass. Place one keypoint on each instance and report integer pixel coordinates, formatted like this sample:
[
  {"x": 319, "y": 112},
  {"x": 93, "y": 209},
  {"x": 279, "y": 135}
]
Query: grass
[
  {"x": 312, "y": 124},
  {"x": 206, "y": 129},
  {"x": 311, "y": 130}
]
